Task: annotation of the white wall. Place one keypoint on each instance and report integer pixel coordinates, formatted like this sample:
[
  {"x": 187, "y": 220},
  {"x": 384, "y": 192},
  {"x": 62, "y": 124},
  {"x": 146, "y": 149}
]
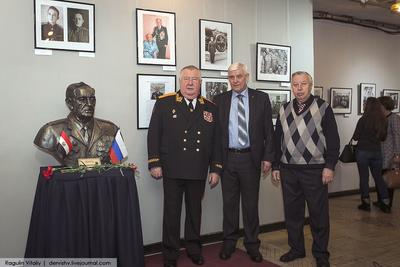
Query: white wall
[
  {"x": 345, "y": 56},
  {"x": 33, "y": 89}
]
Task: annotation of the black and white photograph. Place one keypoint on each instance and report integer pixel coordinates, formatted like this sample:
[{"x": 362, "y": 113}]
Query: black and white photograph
[
  {"x": 149, "y": 88},
  {"x": 64, "y": 25},
  {"x": 319, "y": 92},
  {"x": 366, "y": 90},
  {"x": 277, "y": 98},
  {"x": 395, "y": 95},
  {"x": 215, "y": 45},
  {"x": 155, "y": 35},
  {"x": 273, "y": 62},
  {"x": 340, "y": 100},
  {"x": 210, "y": 87}
]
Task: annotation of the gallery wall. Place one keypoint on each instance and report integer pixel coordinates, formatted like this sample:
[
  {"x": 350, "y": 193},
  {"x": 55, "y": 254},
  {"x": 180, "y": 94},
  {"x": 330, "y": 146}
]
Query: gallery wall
[
  {"x": 345, "y": 56},
  {"x": 33, "y": 90}
]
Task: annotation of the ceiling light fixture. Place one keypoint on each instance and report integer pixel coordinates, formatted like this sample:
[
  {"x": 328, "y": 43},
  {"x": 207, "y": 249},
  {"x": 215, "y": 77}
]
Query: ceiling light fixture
[{"x": 395, "y": 8}]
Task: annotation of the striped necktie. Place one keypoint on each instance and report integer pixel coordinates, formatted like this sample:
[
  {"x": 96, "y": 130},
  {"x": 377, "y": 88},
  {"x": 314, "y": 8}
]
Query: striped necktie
[{"x": 242, "y": 128}]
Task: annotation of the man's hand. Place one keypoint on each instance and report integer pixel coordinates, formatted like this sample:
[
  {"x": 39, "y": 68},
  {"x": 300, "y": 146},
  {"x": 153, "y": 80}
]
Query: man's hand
[
  {"x": 213, "y": 179},
  {"x": 276, "y": 176},
  {"x": 266, "y": 166},
  {"x": 327, "y": 176},
  {"x": 156, "y": 172}
]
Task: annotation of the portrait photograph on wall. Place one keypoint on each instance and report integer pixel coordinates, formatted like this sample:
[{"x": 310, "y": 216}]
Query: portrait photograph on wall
[
  {"x": 395, "y": 95},
  {"x": 155, "y": 35},
  {"x": 64, "y": 25},
  {"x": 210, "y": 87},
  {"x": 340, "y": 100},
  {"x": 366, "y": 90},
  {"x": 215, "y": 45},
  {"x": 319, "y": 92},
  {"x": 149, "y": 88},
  {"x": 277, "y": 98},
  {"x": 273, "y": 62}
]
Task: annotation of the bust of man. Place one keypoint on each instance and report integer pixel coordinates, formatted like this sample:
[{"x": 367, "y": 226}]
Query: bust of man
[{"x": 80, "y": 135}]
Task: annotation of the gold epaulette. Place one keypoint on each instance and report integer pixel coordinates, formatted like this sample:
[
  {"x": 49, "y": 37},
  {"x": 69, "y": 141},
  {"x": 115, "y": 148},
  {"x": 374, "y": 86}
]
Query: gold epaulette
[
  {"x": 166, "y": 95},
  {"x": 205, "y": 99}
]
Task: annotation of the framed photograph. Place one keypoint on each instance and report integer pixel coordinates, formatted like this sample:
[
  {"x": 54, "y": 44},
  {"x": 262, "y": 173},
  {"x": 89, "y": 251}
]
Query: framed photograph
[
  {"x": 273, "y": 62},
  {"x": 64, "y": 25},
  {"x": 366, "y": 90},
  {"x": 319, "y": 92},
  {"x": 395, "y": 95},
  {"x": 277, "y": 98},
  {"x": 149, "y": 88},
  {"x": 155, "y": 35},
  {"x": 340, "y": 100},
  {"x": 211, "y": 87},
  {"x": 215, "y": 45}
]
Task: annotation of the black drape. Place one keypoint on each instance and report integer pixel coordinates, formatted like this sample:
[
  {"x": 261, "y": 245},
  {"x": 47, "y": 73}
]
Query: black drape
[{"x": 91, "y": 215}]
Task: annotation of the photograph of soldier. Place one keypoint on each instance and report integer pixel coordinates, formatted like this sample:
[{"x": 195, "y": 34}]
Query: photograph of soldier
[
  {"x": 274, "y": 61},
  {"x": 157, "y": 90},
  {"x": 78, "y": 24},
  {"x": 215, "y": 88},
  {"x": 216, "y": 41},
  {"x": 52, "y": 29},
  {"x": 212, "y": 48},
  {"x": 277, "y": 100},
  {"x": 341, "y": 100},
  {"x": 160, "y": 34}
]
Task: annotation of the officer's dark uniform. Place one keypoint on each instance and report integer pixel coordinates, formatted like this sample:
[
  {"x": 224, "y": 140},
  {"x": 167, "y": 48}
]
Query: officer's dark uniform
[
  {"x": 52, "y": 32},
  {"x": 185, "y": 144}
]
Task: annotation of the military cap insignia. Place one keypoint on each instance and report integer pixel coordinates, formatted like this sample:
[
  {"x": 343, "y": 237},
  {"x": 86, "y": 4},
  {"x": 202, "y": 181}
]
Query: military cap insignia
[{"x": 208, "y": 116}]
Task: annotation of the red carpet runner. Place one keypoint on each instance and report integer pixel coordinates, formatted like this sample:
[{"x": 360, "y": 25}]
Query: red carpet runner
[{"x": 210, "y": 254}]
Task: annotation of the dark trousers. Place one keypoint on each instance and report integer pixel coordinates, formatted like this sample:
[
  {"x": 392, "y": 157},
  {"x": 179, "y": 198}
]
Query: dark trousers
[
  {"x": 371, "y": 160},
  {"x": 174, "y": 189},
  {"x": 300, "y": 186},
  {"x": 240, "y": 179},
  {"x": 390, "y": 191}
]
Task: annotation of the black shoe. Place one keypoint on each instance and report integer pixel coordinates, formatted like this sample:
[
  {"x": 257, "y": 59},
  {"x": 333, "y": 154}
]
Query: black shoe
[
  {"x": 322, "y": 262},
  {"x": 197, "y": 259},
  {"x": 291, "y": 256},
  {"x": 255, "y": 256},
  {"x": 170, "y": 264},
  {"x": 385, "y": 208},
  {"x": 225, "y": 254},
  {"x": 364, "y": 206}
]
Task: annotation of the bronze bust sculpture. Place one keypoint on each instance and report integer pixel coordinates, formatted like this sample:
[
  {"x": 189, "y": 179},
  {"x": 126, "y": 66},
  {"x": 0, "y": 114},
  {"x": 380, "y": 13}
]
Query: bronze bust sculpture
[{"x": 80, "y": 135}]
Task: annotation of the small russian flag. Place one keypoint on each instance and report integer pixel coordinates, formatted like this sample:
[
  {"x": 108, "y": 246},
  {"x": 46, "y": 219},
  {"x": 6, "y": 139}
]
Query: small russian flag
[{"x": 118, "y": 149}]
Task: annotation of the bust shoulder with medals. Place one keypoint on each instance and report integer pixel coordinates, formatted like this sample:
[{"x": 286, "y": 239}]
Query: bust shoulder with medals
[{"x": 80, "y": 136}]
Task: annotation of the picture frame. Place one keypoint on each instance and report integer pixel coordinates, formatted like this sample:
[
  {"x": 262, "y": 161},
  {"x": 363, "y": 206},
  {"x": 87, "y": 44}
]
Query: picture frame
[
  {"x": 341, "y": 99},
  {"x": 366, "y": 90},
  {"x": 273, "y": 62},
  {"x": 149, "y": 88},
  {"x": 215, "y": 45},
  {"x": 319, "y": 92},
  {"x": 156, "y": 37},
  {"x": 277, "y": 97},
  {"x": 395, "y": 95},
  {"x": 64, "y": 25},
  {"x": 210, "y": 87}
]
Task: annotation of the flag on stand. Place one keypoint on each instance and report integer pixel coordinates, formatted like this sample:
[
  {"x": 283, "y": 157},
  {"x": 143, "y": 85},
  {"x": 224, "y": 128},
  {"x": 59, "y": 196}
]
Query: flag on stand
[
  {"x": 118, "y": 149},
  {"x": 65, "y": 142}
]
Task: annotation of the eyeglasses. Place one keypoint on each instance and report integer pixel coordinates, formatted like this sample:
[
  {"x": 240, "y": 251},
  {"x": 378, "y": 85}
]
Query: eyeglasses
[
  {"x": 300, "y": 84},
  {"x": 193, "y": 79}
]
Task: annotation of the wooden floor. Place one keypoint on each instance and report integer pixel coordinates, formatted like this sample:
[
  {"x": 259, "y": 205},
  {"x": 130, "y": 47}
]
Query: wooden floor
[{"x": 358, "y": 238}]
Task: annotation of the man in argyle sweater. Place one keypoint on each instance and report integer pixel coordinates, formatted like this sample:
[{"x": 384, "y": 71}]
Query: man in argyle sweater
[{"x": 308, "y": 145}]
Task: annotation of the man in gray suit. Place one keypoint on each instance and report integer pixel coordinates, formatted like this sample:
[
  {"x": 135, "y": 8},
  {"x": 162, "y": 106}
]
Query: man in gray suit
[{"x": 247, "y": 133}]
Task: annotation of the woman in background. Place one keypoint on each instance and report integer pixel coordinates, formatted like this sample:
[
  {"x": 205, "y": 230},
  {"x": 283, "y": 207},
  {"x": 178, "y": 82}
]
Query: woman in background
[
  {"x": 391, "y": 146},
  {"x": 370, "y": 132}
]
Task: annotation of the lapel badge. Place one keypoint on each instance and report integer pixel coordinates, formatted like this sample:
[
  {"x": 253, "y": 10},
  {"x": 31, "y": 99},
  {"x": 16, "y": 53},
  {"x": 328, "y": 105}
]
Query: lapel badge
[{"x": 208, "y": 116}]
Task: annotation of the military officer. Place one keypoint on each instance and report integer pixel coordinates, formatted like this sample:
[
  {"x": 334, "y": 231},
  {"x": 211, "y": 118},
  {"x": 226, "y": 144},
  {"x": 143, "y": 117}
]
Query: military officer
[
  {"x": 51, "y": 31},
  {"x": 183, "y": 143},
  {"x": 80, "y": 135}
]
